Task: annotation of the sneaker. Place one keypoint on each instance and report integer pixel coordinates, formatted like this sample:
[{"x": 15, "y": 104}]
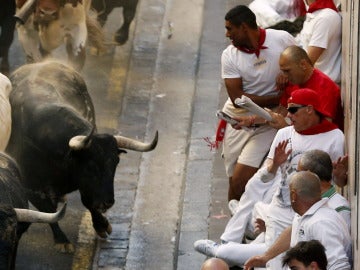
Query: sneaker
[
  {"x": 233, "y": 206},
  {"x": 206, "y": 247}
]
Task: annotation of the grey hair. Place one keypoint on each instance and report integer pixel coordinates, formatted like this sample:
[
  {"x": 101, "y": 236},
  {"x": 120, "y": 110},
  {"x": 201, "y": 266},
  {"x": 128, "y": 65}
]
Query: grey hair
[
  {"x": 318, "y": 162},
  {"x": 306, "y": 184}
]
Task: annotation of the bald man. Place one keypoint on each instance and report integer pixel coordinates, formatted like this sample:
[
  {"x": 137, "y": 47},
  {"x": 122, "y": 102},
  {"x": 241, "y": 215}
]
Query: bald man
[
  {"x": 214, "y": 264},
  {"x": 314, "y": 219}
]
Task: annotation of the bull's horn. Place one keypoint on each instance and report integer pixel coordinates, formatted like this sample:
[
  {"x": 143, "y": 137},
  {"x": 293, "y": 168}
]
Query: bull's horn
[
  {"x": 23, "y": 14},
  {"x": 131, "y": 144},
  {"x": 81, "y": 141},
  {"x": 77, "y": 142},
  {"x": 27, "y": 215}
]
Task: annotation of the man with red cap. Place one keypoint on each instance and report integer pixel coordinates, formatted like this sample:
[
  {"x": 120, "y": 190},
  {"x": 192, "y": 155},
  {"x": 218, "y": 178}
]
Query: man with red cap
[
  {"x": 299, "y": 72},
  {"x": 309, "y": 130}
]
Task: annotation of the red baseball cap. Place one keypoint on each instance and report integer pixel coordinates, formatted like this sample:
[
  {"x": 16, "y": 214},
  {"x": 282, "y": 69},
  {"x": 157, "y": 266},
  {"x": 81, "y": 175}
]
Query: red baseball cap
[{"x": 306, "y": 96}]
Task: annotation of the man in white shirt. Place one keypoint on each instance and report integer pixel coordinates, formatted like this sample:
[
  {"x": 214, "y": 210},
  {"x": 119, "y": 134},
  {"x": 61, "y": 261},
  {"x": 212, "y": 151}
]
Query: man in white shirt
[
  {"x": 315, "y": 161},
  {"x": 314, "y": 219},
  {"x": 321, "y": 37},
  {"x": 248, "y": 69},
  {"x": 309, "y": 130},
  {"x": 271, "y": 12}
]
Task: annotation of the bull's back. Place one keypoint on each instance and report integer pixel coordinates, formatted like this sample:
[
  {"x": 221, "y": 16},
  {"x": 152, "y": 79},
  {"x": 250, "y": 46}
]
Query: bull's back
[
  {"x": 51, "y": 83},
  {"x": 50, "y": 104}
]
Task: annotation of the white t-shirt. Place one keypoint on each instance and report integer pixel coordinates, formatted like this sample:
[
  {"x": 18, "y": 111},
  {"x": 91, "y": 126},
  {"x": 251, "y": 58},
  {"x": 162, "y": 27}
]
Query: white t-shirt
[
  {"x": 322, "y": 28},
  {"x": 324, "y": 224},
  {"x": 258, "y": 74},
  {"x": 332, "y": 142},
  {"x": 270, "y": 12},
  {"x": 340, "y": 204}
]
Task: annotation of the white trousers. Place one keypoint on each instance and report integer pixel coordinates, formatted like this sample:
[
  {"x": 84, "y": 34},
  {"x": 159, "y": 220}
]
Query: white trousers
[
  {"x": 235, "y": 254},
  {"x": 278, "y": 218},
  {"x": 255, "y": 191}
]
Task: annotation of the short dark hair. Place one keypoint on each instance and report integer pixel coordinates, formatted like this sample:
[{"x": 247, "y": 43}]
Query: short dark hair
[
  {"x": 241, "y": 14},
  {"x": 307, "y": 252}
]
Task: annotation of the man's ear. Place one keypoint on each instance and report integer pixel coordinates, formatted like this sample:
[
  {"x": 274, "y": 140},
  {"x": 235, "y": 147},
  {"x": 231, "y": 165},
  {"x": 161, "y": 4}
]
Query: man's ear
[
  {"x": 310, "y": 108},
  {"x": 303, "y": 64},
  {"x": 314, "y": 266}
]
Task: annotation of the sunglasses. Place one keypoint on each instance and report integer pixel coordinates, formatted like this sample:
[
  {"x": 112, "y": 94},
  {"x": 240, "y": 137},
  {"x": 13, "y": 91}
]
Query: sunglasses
[{"x": 294, "y": 109}]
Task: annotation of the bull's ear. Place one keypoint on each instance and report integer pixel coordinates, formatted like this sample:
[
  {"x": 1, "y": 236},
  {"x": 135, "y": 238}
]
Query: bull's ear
[
  {"x": 121, "y": 151},
  {"x": 87, "y": 140}
]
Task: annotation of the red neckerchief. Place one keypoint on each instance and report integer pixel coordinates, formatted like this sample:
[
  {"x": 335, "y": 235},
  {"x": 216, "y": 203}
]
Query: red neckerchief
[
  {"x": 260, "y": 46},
  {"x": 323, "y": 126},
  {"x": 321, "y": 4},
  {"x": 299, "y": 8}
]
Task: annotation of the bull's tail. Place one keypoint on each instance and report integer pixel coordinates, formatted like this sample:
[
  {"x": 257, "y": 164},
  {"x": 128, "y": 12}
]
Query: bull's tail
[{"x": 96, "y": 36}]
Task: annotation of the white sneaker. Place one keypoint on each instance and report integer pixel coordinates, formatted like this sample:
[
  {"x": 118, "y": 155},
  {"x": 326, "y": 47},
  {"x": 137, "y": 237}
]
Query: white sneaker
[
  {"x": 233, "y": 206},
  {"x": 206, "y": 247}
]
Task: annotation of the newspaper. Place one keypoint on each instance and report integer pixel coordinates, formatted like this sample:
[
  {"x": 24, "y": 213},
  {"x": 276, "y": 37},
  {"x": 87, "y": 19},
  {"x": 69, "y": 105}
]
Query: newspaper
[{"x": 246, "y": 103}]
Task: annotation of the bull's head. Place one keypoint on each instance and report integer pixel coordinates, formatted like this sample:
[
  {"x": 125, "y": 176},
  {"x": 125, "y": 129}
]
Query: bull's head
[
  {"x": 95, "y": 158},
  {"x": 47, "y": 11}
]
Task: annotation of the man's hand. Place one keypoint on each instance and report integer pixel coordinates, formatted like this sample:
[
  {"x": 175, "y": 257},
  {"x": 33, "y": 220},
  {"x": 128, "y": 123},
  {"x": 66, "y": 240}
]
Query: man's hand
[
  {"x": 255, "y": 261},
  {"x": 281, "y": 82},
  {"x": 246, "y": 121},
  {"x": 243, "y": 121},
  {"x": 340, "y": 171},
  {"x": 278, "y": 120},
  {"x": 280, "y": 154},
  {"x": 259, "y": 226}
]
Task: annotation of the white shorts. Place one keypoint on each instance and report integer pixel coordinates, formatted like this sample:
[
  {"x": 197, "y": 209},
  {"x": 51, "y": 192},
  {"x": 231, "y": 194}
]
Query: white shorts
[{"x": 246, "y": 147}]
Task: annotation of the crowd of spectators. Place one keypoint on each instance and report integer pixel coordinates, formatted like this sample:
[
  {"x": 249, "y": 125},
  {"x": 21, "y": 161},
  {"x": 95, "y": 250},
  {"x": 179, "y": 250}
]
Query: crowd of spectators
[{"x": 284, "y": 173}]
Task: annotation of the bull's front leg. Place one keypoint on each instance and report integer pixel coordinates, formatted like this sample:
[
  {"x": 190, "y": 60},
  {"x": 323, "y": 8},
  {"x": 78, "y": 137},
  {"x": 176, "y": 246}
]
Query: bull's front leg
[
  {"x": 75, "y": 46},
  {"x": 129, "y": 9},
  {"x": 46, "y": 203},
  {"x": 100, "y": 223},
  {"x": 62, "y": 243}
]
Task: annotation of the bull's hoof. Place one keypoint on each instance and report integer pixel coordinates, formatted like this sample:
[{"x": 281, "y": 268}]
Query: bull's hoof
[
  {"x": 121, "y": 36},
  {"x": 104, "y": 234},
  {"x": 67, "y": 248}
]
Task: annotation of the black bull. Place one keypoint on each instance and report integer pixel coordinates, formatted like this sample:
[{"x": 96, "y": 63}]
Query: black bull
[
  {"x": 15, "y": 218},
  {"x": 104, "y": 8},
  {"x": 55, "y": 143}
]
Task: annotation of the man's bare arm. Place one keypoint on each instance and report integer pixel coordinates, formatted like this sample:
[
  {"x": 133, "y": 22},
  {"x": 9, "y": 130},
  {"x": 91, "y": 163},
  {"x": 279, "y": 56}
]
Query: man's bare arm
[
  {"x": 235, "y": 90},
  {"x": 314, "y": 53}
]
